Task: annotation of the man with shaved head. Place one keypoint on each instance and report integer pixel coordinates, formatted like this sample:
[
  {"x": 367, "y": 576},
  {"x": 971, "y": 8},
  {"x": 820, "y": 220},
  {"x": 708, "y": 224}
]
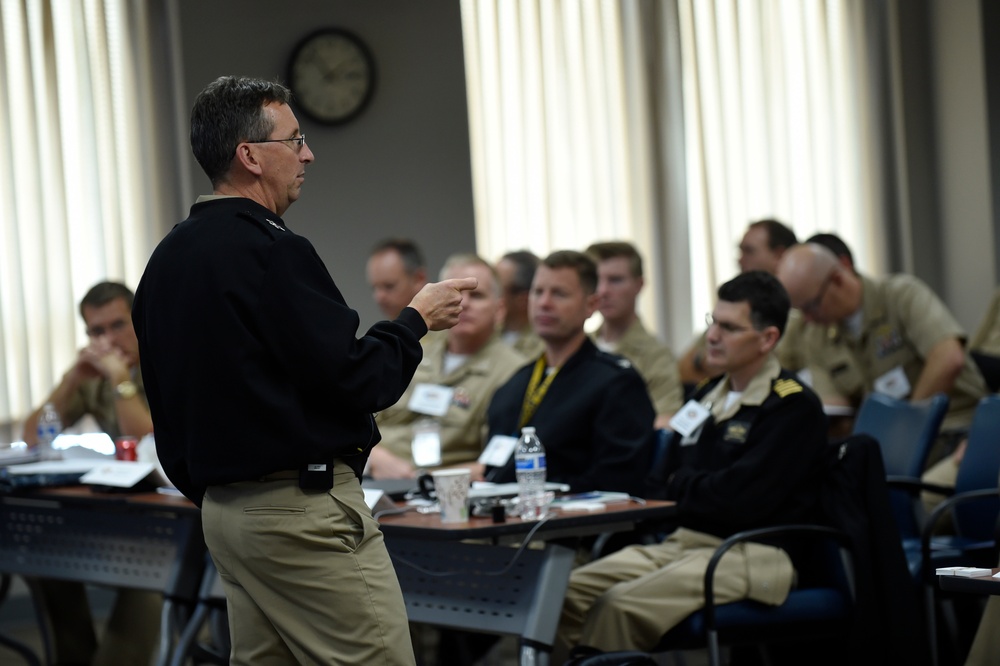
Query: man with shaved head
[{"x": 892, "y": 336}]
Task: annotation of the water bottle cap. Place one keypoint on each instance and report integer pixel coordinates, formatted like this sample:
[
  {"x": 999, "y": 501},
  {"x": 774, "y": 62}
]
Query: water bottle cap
[{"x": 528, "y": 430}]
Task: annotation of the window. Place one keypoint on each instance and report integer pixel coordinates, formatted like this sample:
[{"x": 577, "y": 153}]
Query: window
[
  {"x": 669, "y": 123},
  {"x": 83, "y": 173}
]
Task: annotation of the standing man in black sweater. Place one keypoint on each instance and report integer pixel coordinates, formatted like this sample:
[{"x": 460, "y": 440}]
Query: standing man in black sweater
[{"x": 262, "y": 395}]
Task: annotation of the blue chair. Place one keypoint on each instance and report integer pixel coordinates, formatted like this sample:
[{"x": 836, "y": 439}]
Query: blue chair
[
  {"x": 819, "y": 607},
  {"x": 974, "y": 506},
  {"x": 905, "y": 431},
  {"x": 854, "y": 593}
]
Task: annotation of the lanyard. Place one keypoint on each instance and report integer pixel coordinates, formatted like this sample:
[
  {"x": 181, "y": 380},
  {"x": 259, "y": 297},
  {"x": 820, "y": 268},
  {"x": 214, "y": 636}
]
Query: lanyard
[{"x": 536, "y": 390}]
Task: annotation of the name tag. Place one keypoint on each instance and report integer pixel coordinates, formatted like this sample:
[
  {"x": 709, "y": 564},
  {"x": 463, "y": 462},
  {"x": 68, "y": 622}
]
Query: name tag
[
  {"x": 894, "y": 383},
  {"x": 426, "y": 444},
  {"x": 498, "y": 451},
  {"x": 689, "y": 418},
  {"x": 430, "y": 399}
]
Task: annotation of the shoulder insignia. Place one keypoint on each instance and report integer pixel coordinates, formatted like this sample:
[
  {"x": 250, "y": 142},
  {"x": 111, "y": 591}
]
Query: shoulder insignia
[
  {"x": 786, "y": 387},
  {"x": 614, "y": 359},
  {"x": 262, "y": 220}
]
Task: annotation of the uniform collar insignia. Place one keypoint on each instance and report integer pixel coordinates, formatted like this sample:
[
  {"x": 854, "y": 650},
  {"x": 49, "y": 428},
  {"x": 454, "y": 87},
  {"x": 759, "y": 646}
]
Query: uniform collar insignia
[{"x": 736, "y": 431}]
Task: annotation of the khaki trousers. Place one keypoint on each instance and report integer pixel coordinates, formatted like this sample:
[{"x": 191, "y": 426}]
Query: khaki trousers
[
  {"x": 306, "y": 574},
  {"x": 942, "y": 473},
  {"x": 629, "y": 599}
]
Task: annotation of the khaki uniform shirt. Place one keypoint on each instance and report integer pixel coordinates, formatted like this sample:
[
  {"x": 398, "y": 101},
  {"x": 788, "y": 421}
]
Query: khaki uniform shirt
[
  {"x": 528, "y": 344},
  {"x": 789, "y": 348},
  {"x": 97, "y": 398},
  {"x": 463, "y": 427},
  {"x": 655, "y": 362},
  {"x": 902, "y": 319}
]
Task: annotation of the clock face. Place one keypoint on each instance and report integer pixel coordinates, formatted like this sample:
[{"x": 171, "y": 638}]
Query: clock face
[{"x": 332, "y": 76}]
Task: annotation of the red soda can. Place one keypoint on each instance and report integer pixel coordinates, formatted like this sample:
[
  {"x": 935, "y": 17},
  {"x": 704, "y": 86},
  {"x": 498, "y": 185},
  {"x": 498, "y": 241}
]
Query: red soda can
[{"x": 125, "y": 448}]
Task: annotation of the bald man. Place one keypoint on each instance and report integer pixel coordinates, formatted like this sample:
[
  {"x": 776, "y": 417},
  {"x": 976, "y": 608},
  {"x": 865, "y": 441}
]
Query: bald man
[{"x": 894, "y": 336}]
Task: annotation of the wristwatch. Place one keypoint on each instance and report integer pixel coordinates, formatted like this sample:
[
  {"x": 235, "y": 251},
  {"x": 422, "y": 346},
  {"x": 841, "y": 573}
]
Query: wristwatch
[{"x": 127, "y": 389}]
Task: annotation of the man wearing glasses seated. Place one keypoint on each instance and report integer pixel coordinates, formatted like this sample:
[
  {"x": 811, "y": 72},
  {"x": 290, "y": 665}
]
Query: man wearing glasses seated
[
  {"x": 893, "y": 336},
  {"x": 747, "y": 452}
]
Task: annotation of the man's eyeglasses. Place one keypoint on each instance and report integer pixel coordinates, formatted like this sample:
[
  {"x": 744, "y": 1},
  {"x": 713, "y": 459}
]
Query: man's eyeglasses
[
  {"x": 812, "y": 306},
  {"x": 728, "y": 328},
  {"x": 300, "y": 140}
]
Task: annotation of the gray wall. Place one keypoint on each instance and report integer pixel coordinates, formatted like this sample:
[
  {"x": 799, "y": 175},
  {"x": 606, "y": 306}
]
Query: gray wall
[
  {"x": 402, "y": 167},
  {"x": 962, "y": 121}
]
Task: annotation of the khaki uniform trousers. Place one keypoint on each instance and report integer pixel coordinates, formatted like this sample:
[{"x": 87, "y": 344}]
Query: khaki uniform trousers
[
  {"x": 943, "y": 473},
  {"x": 307, "y": 576},
  {"x": 629, "y": 599}
]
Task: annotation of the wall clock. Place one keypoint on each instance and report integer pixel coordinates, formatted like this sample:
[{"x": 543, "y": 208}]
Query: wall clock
[{"x": 332, "y": 76}]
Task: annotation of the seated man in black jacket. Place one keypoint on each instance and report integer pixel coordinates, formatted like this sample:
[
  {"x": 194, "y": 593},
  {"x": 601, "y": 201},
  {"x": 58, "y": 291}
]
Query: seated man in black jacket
[
  {"x": 591, "y": 409},
  {"x": 746, "y": 453}
]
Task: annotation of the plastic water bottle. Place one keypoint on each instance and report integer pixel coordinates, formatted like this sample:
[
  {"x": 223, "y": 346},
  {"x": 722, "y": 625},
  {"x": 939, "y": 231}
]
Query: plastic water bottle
[
  {"x": 49, "y": 427},
  {"x": 529, "y": 459}
]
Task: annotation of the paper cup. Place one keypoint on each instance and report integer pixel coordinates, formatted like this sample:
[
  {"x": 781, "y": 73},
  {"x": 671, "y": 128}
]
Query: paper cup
[{"x": 452, "y": 489}]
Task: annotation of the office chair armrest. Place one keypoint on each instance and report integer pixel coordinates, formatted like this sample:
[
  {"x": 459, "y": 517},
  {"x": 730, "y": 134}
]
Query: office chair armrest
[
  {"x": 953, "y": 436},
  {"x": 842, "y": 540},
  {"x": 915, "y": 486},
  {"x": 945, "y": 507}
]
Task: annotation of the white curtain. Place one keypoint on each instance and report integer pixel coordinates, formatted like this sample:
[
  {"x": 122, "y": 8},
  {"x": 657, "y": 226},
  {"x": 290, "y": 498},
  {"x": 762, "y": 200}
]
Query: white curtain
[
  {"x": 85, "y": 123},
  {"x": 777, "y": 123},
  {"x": 576, "y": 108},
  {"x": 560, "y": 124}
]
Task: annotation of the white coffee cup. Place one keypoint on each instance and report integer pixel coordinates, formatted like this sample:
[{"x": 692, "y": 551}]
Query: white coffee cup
[{"x": 452, "y": 489}]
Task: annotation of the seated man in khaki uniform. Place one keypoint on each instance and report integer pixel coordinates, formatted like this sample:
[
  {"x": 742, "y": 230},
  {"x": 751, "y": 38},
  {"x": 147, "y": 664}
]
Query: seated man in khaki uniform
[
  {"x": 447, "y": 399},
  {"x": 791, "y": 354},
  {"x": 750, "y": 455},
  {"x": 761, "y": 248},
  {"x": 104, "y": 382},
  {"x": 619, "y": 281},
  {"x": 892, "y": 335},
  {"x": 516, "y": 270},
  {"x": 396, "y": 272}
]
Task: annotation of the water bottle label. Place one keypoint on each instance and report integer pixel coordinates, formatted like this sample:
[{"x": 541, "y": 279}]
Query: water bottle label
[{"x": 529, "y": 463}]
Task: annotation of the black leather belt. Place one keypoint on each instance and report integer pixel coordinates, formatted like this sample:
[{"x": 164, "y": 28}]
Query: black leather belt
[{"x": 283, "y": 475}]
